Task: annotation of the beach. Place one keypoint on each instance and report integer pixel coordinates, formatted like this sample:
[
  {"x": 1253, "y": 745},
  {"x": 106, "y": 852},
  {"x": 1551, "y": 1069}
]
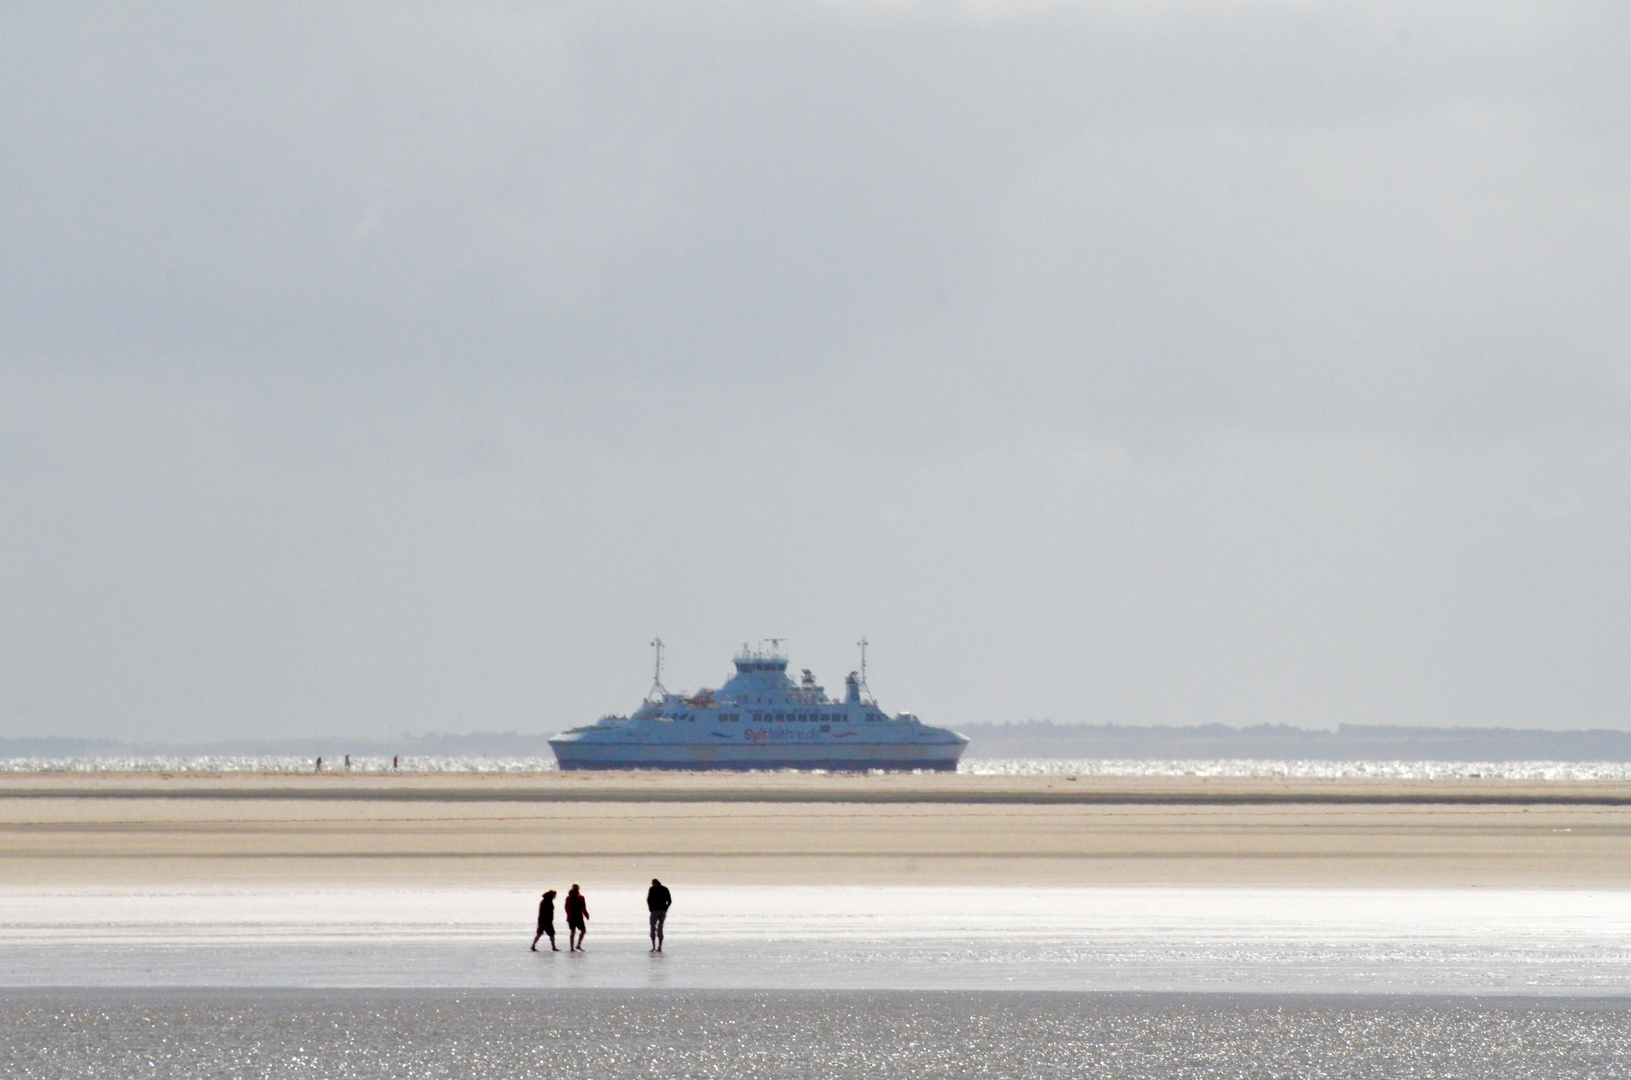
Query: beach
[
  {"x": 890, "y": 882},
  {"x": 616, "y": 830}
]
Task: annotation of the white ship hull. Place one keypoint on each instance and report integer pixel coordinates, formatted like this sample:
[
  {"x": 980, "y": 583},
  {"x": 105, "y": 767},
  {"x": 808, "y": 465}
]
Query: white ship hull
[
  {"x": 760, "y": 719},
  {"x": 687, "y": 756}
]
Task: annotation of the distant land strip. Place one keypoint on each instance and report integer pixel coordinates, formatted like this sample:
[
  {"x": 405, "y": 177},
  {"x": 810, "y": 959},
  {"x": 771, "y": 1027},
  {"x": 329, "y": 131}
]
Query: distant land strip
[
  {"x": 1029, "y": 739},
  {"x": 1348, "y": 742}
]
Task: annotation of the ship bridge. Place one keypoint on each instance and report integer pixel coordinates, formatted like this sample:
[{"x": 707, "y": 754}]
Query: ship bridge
[
  {"x": 746, "y": 664},
  {"x": 761, "y": 675}
]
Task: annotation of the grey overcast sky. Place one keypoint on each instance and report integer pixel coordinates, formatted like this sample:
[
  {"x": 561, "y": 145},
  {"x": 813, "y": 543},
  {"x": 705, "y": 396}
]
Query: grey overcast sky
[{"x": 412, "y": 365}]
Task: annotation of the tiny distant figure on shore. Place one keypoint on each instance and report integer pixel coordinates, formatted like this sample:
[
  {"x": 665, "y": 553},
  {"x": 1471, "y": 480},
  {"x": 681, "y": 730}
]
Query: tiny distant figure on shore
[
  {"x": 658, "y": 901},
  {"x": 546, "y": 921},
  {"x": 348, "y": 763},
  {"x": 393, "y": 761},
  {"x": 319, "y": 764},
  {"x": 577, "y": 914}
]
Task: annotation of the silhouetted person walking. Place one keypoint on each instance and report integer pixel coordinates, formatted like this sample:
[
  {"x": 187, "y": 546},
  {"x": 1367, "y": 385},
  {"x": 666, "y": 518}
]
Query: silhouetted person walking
[
  {"x": 577, "y": 914},
  {"x": 658, "y": 901},
  {"x": 546, "y": 921}
]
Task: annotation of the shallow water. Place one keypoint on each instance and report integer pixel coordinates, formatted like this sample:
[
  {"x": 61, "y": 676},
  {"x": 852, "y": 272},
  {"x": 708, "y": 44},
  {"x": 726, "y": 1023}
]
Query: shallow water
[
  {"x": 1468, "y": 941},
  {"x": 891, "y": 982},
  {"x": 1328, "y": 770},
  {"x": 611, "y": 1035},
  {"x": 1322, "y": 770},
  {"x": 274, "y": 763}
]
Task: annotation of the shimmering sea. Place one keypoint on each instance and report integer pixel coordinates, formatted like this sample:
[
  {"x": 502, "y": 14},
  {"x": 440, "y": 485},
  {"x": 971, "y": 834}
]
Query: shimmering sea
[
  {"x": 817, "y": 982},
  {"x": 605, "y": 1034},
  {"x": 1235, "y": 767}
]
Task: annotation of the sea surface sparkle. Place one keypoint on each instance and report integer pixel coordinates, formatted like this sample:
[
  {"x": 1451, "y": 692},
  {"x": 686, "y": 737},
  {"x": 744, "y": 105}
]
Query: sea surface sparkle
[
  {"x": 1241, "y": 767},
  {"x": 1229, "y": 940},
  {"x": 613, "y": 1035}
]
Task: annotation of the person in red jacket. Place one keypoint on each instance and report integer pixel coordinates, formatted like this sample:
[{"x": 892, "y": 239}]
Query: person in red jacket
[{"x": 577, "y": 914}]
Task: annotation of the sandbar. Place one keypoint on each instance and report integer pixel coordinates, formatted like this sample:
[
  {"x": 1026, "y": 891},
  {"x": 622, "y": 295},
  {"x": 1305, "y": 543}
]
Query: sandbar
[{"x": 503, "y": 830}]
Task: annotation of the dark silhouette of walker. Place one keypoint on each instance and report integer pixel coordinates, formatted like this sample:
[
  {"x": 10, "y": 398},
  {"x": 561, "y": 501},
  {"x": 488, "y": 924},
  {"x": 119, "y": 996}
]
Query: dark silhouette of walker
[
  {"x": 658, "y": 901},
  {"x": 546, "y": 921},
  {"x": 577, "y": 916}
]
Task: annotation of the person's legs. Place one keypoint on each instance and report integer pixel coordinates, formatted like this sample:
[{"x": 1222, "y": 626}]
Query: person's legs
[
  {"x": 550, "y": 930},
  {"x": 653, "y": 931},
  {"x": 657, "y": 922},
  {"x": 535, "y": 938}
]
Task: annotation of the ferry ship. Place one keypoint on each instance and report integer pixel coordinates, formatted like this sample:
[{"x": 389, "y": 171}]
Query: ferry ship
[{"x": 760, "y": 719}]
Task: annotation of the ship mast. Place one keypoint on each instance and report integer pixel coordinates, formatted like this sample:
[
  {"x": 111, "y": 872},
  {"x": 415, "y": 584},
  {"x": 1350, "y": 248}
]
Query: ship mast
[
  {"x": 863, "y": 643},
  {"x": 658, "y": 691}
]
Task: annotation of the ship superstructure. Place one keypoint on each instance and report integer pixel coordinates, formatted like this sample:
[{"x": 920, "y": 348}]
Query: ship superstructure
[{"x": 760, "y": 719}]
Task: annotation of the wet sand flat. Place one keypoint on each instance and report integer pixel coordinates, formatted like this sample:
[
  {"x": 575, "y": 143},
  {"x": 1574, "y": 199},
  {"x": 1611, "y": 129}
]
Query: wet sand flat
[{"x": 501, "y": 830}]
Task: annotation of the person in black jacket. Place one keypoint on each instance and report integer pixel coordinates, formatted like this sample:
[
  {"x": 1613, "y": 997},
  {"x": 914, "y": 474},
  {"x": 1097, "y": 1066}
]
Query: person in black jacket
[
  {"x": 657, "y": 902},
  {"x": 577, "y": 916},
  {"x": 546, "y": 921}
]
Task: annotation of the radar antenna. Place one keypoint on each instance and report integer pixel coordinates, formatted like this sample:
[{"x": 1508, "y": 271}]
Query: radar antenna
[
  {"x": 863, "y": 643},
  {"x": 658, "y": 690}
]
